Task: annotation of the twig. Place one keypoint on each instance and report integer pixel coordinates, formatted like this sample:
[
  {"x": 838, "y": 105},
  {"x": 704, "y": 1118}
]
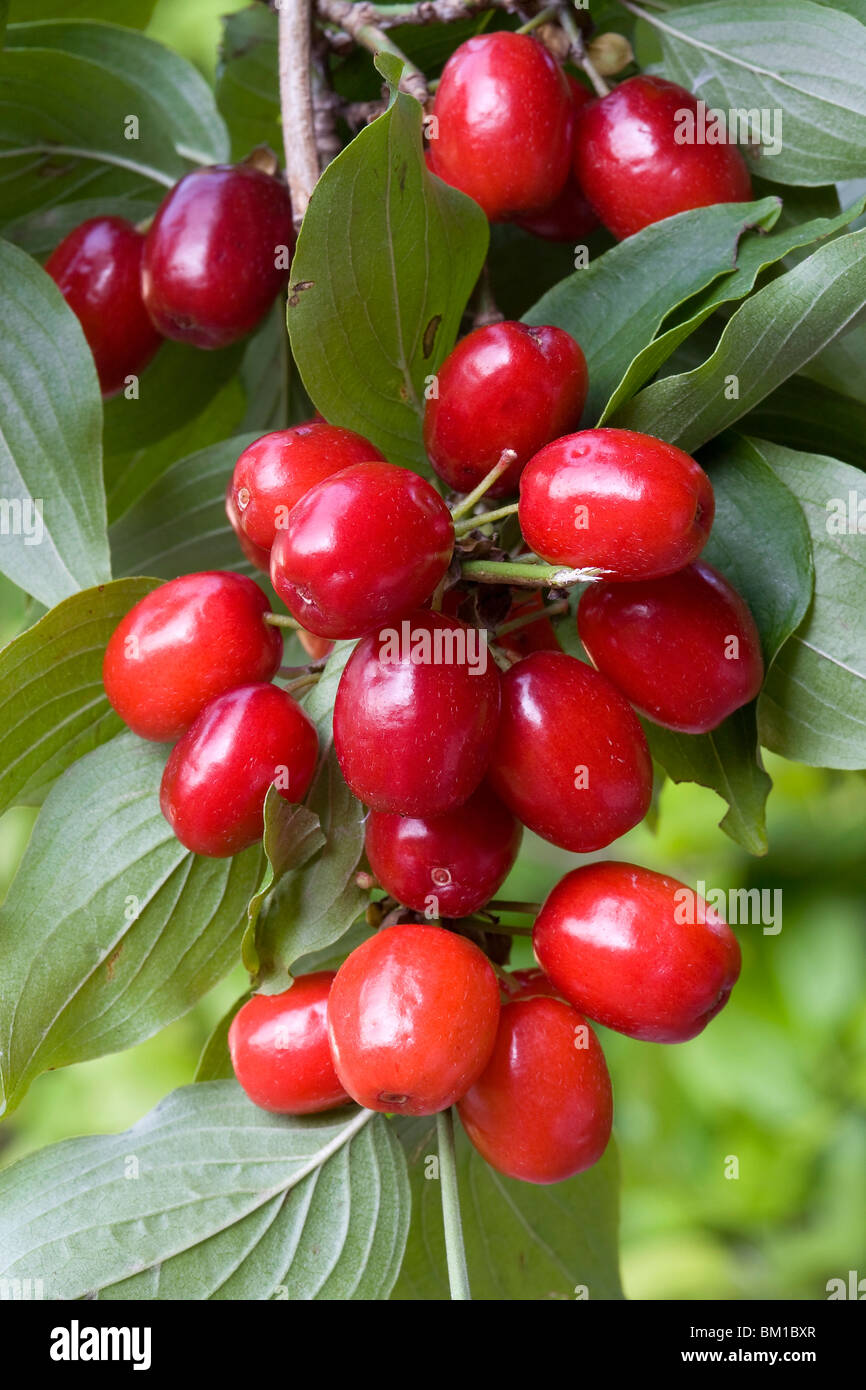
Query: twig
[
  {"x": 362, "y": 22},
  {"x": 578, "y": 48},
  {"x": 296, "y": 102}
]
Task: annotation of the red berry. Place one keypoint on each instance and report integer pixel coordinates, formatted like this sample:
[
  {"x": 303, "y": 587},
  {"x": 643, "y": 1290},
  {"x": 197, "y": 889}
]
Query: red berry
[
  {"x": 569, "y": 217},
  {"x": 505, "y": 124},
  {"x": 97, "y": 269},
  {"x": 412, "y": 1019},
  {"x": 637, "y": 951},
  {"x": 542, "y": 1109},
  {"x": 626, "y": 503},
  {"x": 570, "y": 757},
  {"x": 684, "y": 649},
  {"x": 362, "y": 548},
  {"x": 505, "y": 386},
  {"x": 523, "y": 983},
  {"x": 631, "y": 166},
  {"x": 415, "y": 716},
  {"x": 319, "y": 648},
  {"x": 190, "y": 640},
  {"x": 451, "y": 864},
  {"x": 254, "y": 553},
  {"x": 280, "y": 1051},
  {"x": 217, "y": 254},
  {"x": 274, "y": 472},
  {"x": 216, "y": 779}
]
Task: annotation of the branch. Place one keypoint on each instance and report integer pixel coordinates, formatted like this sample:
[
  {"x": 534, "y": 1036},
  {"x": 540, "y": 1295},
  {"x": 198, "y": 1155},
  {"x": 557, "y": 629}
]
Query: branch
[
  {"x": 362, "y": 23},
  {"x": 296, "y": 102},
  {"x": 424, "y": 12}
]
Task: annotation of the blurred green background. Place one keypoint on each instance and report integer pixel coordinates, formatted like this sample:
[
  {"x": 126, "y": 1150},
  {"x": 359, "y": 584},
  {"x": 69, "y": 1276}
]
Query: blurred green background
[{"x": 778, "y": 1081}]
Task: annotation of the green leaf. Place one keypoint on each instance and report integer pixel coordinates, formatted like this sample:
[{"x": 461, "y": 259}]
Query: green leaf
[
  {"x": 813, "y": 705},
  {"x": 247, "y": 86},
  {"x": 111, "y": 929},
  {"x": 615, "y": 306},
  {"x": 215, "y": 1063},
  {"x": 523, "y": 1242},
  {"x": 754, "y": 254},
  {"x": 768, "y": 339},
  {"x": 50, "y": 456},
  {"x": 386, "y": 259},
  {"x": 133, "y": 13},
  {"x": 804, "y": 415},
  {"x": 177, "y": 386},
  {"x": 760, "y": 542},
  {"x": 210, "y": 1197},
  {"x": 69, "y": 92},
  {"x": 53, "y": 708},
  {"x": 179, "y": 524},
  {"x": 292, "y": 835},
  {"x": 793, "y": 57}
]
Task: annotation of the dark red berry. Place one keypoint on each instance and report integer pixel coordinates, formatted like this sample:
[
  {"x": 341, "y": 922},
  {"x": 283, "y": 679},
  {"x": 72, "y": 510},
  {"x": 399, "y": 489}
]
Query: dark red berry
[
  {"x": 97, "y": 269},
  {"x": 280, "y": 1051},
  {"x": 362, "y": 549},
  {"x": 684, "y": 649},
  {"x": 217, "y": 254},
  {"x": 570, "y": 757},
  {"x": 505, "y": 386},
  {"x": 625, "y": 503},
  {"x": 415, "y": 716},
  {"x": 216, "y": 779},
  {"x": 637, "y": 951},
  {"x": 503, "y": 125},
  {"x": 412, "y": 1019},
  {"x": 448, "y": 865},
  {"x": 634, "y": 170},
  {"x": 190, "y": 640},
  {"x": 542, "y": 1108}
]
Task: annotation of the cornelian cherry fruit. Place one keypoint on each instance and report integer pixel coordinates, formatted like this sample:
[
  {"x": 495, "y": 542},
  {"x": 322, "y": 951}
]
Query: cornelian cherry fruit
[
  {"x": 274, "y": 472},
  {"x": 504, "y": 124},
  {"x": 570, "y": 216},
  {"x": 254, "y": 553},
  {"x": 625, "y": 503},
  {"x": 218, "y": 774},
  {"x": 362, "y": 549},
  {"x": 542, "y": 1108},
  {"x": 637, "y": 951},
  {"x": 415, "y": 715},
  {"x": 570, "y": 757},
  {"x": 412, "y": 1019},
  {"x": 504, "y": 386},
  {"x": 97, "y": 269},
  {"x": 190, "y": 640},
  {"x": 217, "y": 254},
  {"x": 634, "y": 164},
  {"x": 280, "y": 1052},
  {"x": 450, "y": 864},
  {"x": 684, "y": 649}
]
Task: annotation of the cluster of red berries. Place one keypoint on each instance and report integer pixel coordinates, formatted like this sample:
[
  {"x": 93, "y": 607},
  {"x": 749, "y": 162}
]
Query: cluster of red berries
[
  {"x": 453, "y": 753},
  {"x": 205, "y": 272},
  {"x": 531, "y": 145}
]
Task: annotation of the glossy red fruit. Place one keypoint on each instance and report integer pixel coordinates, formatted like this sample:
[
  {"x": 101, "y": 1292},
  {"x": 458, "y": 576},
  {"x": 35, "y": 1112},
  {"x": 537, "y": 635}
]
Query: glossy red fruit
[
  {"x": 280, "y": 1051},
  {"x": 684, "y": 649},
  {"x": 451, "y": 864},
  {"x": 274, "y": 472},
  {"x": 570, "y": 216},
  {"x": 189, "y": 641},
  {"x": 216, "y": 779},
  {"x": 505, "y": 124},
  {"x": 217, "y": 254},
  {"x": 97, "y": 269},
  {"x": 319, "y": 648},
  {"x": 631, "y": 166},
  {"x": 415, "y": 716},
  {"x": 570, "y": 757},
  {"x": 523, "y": 983},
  {"x": 362, "y": 549},
  {"x": 542, "y": 1108},
  {"x": 412, "y": 1019},
  {"x": 539, "y": 636},
  {"x": 623, "y": 502},
  {"x": 254, "y": 553},
  {"x": 504, "y": 386},
  {"x": 637, "y": 951}
]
